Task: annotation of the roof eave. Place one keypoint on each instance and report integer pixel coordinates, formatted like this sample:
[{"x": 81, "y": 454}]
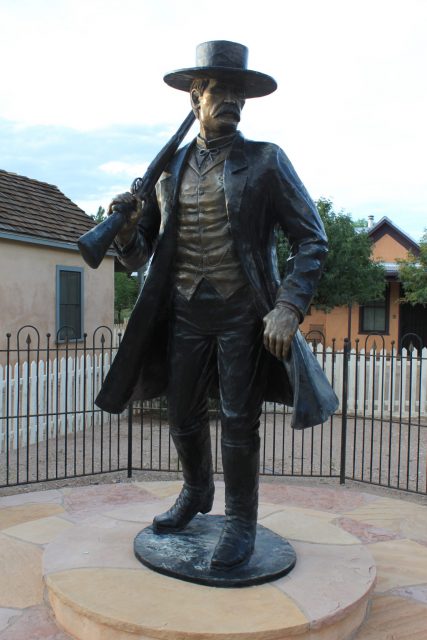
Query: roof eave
[{"x": 35, "y": 240}]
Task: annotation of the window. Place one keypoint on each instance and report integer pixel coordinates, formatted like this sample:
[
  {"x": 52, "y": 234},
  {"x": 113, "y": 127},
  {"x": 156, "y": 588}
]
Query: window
[
  {"x": 374, "y": 316},
  {"x": 69, "y": 303}
]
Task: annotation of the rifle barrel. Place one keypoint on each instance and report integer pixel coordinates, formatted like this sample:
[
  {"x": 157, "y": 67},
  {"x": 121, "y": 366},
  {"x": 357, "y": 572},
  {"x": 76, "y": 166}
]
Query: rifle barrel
[{"x": 95, "y": 243}]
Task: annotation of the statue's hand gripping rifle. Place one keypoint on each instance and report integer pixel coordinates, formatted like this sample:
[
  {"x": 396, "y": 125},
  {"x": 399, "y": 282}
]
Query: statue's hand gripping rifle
[{"x": 95, "y": 243}]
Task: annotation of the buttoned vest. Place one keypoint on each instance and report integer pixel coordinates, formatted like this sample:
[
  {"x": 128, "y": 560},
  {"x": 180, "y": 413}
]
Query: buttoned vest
[{"x": 205, "y": 247}]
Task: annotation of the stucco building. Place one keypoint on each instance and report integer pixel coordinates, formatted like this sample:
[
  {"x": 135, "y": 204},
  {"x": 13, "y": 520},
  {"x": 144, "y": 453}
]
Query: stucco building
[
  {"x": 45, "y": 282},
  {"x": 388, "y": 318}
]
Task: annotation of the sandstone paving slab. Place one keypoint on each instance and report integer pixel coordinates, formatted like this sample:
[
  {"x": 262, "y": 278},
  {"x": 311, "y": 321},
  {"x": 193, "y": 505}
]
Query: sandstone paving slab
[
  {"x": 366, "y": 532},
  {"x": 18, "y": 514},
  {"x": 51, "y": 496},
  {"x": 39, "y": 531},
  {"x": 96, "y": 498},
  {"x": 21, "y": 582},
  {"x": 323, "y": 499},
  {"x": 35, "y": 623},
  {"x": 219, "y": 501},
  {"x": 415, "y": 527},
  {"x": 393, "y": 618},
  {"x": 329, "y": 579},
  {"x": 288, "y": 511},
  {"x": 267, "y": 509},
  {"x": 161, "y": 489},
  {"x": 417, "y": 592},
  {"x": 98, "y": 542},
  {"x": 6, "y": 616},
  {"x": 399, "y": 563},
  {"x": 405, "y": 518},
  {"x": 143, "y": 512},
  {"x": 301, "y": 525},
  {"x": 149, "y": 603}
]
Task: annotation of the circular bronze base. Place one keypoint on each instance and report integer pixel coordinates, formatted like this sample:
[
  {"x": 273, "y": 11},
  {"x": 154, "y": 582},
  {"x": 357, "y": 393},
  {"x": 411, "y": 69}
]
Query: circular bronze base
[{"x": 186, "y": 555}]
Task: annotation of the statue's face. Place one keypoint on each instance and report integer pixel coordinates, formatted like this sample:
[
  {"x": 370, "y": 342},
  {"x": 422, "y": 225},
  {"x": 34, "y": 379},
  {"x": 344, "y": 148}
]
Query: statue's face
[{"x": 219, "y": 108}]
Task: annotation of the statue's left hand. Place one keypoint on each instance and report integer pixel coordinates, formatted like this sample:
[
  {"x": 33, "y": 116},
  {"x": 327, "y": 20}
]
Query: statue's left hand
[
  {"x": 280, "y": 326},
  {"x": 132, "y": 209}
]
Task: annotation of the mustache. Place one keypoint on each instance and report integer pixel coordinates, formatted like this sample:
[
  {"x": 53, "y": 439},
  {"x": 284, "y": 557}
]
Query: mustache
[{"x": 230, "y": 109}]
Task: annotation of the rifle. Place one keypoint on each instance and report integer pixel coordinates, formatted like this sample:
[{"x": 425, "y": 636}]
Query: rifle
[{"x": 95, "y": 243}]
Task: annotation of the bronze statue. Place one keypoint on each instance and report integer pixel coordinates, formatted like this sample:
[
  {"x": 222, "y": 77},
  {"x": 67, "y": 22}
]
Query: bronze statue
[{"x": 213, "y": 316}]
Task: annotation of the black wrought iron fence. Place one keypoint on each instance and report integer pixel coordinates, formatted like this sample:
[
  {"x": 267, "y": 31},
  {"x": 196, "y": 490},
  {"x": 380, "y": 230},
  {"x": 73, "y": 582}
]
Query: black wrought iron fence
[
  {"x": 386, "y": 435},
  {"x": 284, "y": 451},
  {"x": 50, "y": 427}
]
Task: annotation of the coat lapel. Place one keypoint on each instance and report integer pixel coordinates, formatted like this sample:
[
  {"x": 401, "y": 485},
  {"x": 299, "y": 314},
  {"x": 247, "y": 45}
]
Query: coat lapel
[
  {"x": 168, "y": 187},
  {"x": 235, "y": 178}
]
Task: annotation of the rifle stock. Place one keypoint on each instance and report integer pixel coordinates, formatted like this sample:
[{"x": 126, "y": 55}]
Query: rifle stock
[{"x": 95, "y": 243}]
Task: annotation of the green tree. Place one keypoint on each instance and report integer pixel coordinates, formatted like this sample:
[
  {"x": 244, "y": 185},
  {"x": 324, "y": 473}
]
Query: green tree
[
  {"x": 350, "y": 274},
  {"x": 99, "y": 215},
  {"x": 283, "y": 251},
  {"x": 125, "y": 293},
  {"x": 413, "y": 275}
]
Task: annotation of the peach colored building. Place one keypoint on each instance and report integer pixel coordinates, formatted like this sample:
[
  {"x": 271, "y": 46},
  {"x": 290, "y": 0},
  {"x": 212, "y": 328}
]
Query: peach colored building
[
  {"x": 388, "y": 318},
  {"x": 45, "y": 282}
]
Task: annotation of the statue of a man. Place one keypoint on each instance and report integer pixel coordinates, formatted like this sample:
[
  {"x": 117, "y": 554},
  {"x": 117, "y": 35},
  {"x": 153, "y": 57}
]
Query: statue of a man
[{"x": 213, "y": 312}]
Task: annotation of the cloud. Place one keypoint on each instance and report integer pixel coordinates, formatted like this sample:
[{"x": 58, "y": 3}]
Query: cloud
[
  {"x": 76, "y": 162},
  {"x": 84, "y": 105},
  {"x": 117, "y": 167}
]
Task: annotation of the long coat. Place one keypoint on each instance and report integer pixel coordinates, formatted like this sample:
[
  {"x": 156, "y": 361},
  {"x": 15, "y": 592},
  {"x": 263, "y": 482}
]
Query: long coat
[{"x": 262, "y": 191}]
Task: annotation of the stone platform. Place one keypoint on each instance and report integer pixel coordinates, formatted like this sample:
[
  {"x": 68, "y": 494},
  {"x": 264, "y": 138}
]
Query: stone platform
[
  {"x": 78, "y": 543},
  {"x": 187, "y": 554}
]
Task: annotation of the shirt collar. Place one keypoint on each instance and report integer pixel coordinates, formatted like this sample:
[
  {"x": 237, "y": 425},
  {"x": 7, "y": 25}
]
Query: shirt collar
[{"x": 215, "y": 143}]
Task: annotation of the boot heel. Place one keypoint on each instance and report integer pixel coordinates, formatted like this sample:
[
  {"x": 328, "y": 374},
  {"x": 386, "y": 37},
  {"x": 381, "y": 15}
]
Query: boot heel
[
  {"x": 206, "y": 506},
  {"x": 186, "y": 506}
]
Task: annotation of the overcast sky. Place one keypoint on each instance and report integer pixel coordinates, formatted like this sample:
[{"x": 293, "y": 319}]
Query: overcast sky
[{"x": 83, "y": 104}]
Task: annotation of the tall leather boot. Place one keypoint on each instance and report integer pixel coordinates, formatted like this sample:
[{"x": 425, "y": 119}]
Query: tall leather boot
[
  {"x": 197, "y": 494},
  {"x": 241, "y": 475}
]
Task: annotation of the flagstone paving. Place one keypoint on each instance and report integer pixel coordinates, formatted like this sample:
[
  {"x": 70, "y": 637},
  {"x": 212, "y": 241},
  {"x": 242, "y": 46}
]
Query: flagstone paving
[
  {"x": 22, "y": 513},
  {"x": 39, "y": 531},
  {"x": 329, "y": 528},
  {"x": 21, "y": 583}
]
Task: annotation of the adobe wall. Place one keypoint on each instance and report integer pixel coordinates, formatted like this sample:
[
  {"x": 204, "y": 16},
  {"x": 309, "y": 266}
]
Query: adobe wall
[
  {"x": 387, "y": 249},
  {"x": 335, "y": 324},
  {"x": 28, "y": 288}
]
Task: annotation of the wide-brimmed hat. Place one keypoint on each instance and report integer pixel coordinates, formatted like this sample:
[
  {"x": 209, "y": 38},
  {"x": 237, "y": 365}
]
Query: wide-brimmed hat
[{"x": 223, "y": 60}]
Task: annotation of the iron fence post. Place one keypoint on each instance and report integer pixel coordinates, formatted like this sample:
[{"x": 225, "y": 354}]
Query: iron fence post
[
  {"x": 346, "y": 356},
  {"x": 130, "y": 438}
]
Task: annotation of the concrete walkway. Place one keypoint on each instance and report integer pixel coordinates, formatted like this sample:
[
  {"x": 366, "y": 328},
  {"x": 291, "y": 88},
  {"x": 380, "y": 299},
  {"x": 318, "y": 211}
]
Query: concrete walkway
[{"x": 35, "y": 527}]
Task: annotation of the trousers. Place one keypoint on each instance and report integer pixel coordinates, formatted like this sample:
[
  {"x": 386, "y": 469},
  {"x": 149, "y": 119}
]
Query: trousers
[{"x": 208, "y": 331}]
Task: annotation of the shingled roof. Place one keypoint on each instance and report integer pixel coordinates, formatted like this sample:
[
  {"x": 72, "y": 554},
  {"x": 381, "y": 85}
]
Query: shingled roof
[{"x": 39, "y": 210}]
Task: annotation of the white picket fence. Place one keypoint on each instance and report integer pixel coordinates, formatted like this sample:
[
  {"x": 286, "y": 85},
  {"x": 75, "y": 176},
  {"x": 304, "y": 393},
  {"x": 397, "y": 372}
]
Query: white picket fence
[
  {"x": 40, "y": 400},
  {"x": 118, "y": 331},
  {"x": 380, "y": 384}
]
